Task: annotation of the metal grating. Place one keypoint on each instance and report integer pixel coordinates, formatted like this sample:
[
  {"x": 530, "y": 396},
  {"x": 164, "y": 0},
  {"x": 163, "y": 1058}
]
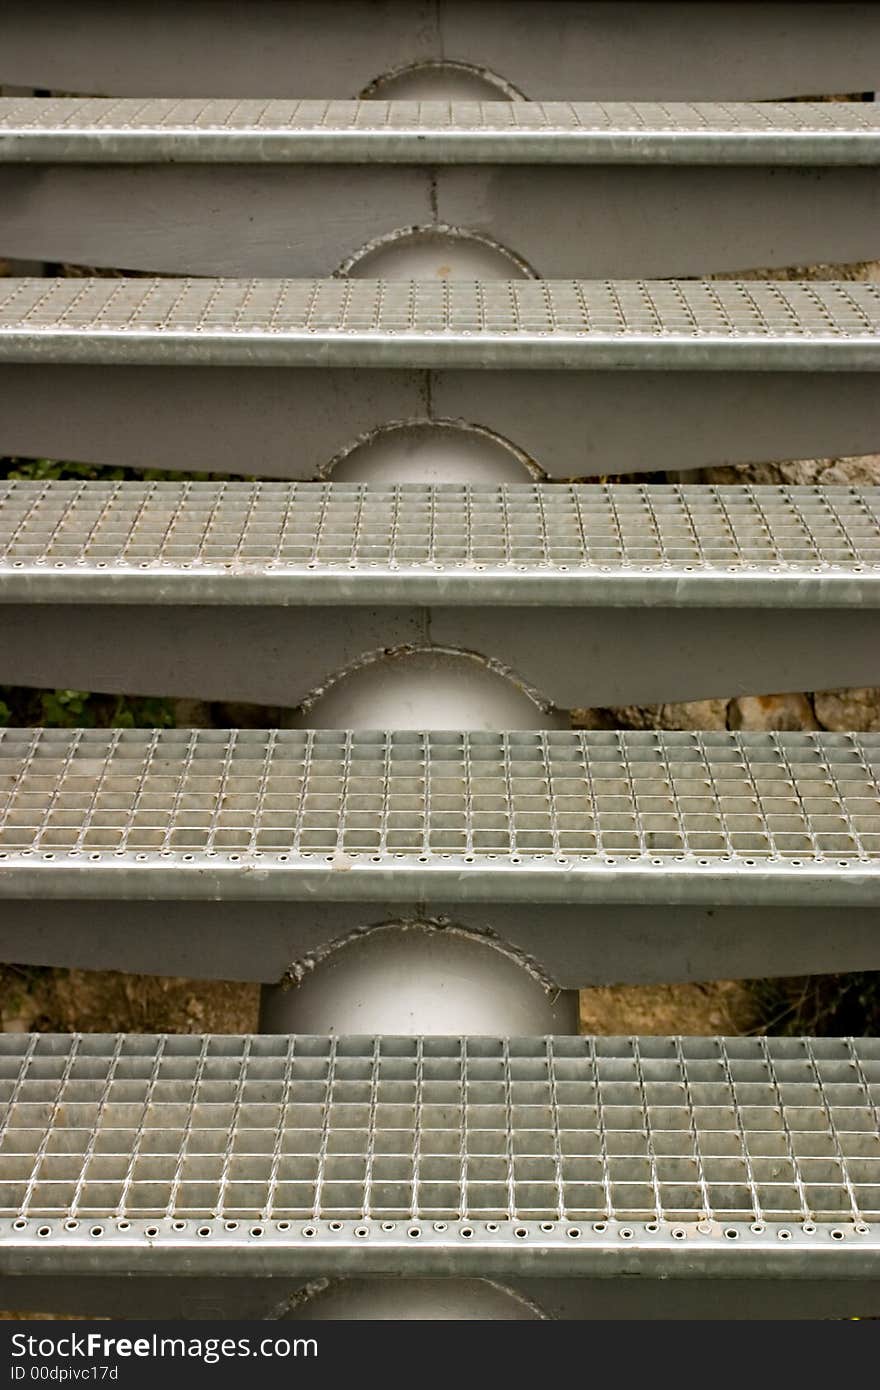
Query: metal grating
[
  {"x": 755, "y": 325},
  {"x": 533, "y": 1129},
  {"x": 308, "y": 542},
  {"x": 111, "y": 130},
  {"x": 410, "y": 816}
]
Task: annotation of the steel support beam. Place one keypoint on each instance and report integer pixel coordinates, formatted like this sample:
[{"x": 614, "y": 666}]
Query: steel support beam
[{"x": 545, "y": 51}]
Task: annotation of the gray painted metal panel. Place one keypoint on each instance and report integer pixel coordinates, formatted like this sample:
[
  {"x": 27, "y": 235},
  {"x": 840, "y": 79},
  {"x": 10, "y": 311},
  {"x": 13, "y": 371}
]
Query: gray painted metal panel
[
  {"x": 563, "y": 325},
  {"x": 131, "y": 131},
  {"x": 546, "y": 51},
  {"x": 567, "y": 657},
  {"x": 571, "y": 947},
  {"x": 316, "y": 1156},
  {"x": 294, "y": 422},
  {"x": 317, "y": 219}
]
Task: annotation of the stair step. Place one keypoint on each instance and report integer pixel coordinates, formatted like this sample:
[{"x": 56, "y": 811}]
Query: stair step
[
  {"x": 591, "y": 595},
  {"x": 792, "y": 362},
  {"x": 657, "y": 51},
  {"x": 762, "y": 326},
  {"x": 327, "y": 181},
  {"x": 100, "y": 130},
  {"x": 601, "y": 855},
  {"x": 525, "y": 1158}
]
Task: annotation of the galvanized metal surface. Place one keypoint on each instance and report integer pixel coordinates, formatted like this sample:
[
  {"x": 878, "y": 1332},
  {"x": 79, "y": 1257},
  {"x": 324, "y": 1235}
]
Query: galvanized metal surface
[
  {"x": 133, "y": 130},
  {"x": 355, "y": 544},
  {"x": 638, "y": 325},
  {"x": 318, "y": 1155},
  {"x": 553, "y": 817},
  {"x": 263, "y": 49}
]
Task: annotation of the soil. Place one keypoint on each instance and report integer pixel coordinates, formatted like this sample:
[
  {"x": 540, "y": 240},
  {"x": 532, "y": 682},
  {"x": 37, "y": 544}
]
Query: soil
[{"x": 109, "y": 1002}]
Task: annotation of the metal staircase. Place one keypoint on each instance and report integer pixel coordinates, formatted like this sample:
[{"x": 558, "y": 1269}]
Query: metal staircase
[{"x": 424, "y": 868}]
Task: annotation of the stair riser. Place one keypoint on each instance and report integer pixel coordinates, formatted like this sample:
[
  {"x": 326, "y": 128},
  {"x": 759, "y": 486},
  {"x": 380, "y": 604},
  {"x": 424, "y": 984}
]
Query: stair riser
[
  {"x": 292, "y": 422},
  {"x": 571, "y": 657},
  {"x": 575, "y": 51},
  {"x": 558, "y": 222}
]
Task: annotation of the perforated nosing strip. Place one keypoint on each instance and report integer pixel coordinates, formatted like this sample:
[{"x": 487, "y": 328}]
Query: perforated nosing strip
[
  {"x": 353, "y": 1147},
  {"x": 415, "y": 817},
  {"x": 101, "y": 130},
  {"x": 355, "y": 544},
  {"x": 565, "y": 324}
]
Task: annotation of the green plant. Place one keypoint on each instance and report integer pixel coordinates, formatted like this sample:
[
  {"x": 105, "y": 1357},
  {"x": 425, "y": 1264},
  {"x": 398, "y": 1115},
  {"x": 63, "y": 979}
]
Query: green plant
[
  {"x": 80, "y": 709},
  {"x": 52, "y": 470}
]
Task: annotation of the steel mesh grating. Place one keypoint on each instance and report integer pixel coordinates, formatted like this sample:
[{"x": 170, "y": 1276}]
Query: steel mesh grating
[
  {"x": 409, "y": 794},
  {"x": 194, "y": 115},
  {"x": 696, "y": 311},
  {"x": 238, "y": 527},
  {"x": 665, "y": 1129}
]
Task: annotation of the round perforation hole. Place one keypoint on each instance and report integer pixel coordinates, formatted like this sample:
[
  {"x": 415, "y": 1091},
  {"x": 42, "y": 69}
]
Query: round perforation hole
[
  {"x": 361, "y": 1232},
  {"x": 230, "y": 1226},
  {"x": 71, "y": 1225},
  {"x": 785, "y": 1235},
  {"x": 678, "y": 1233},
  {"x": 414, "y": 1232},
  {"x": 309, "y": 1232},
  {"x": 837, "y": 1234},
  {"x": 731, "y": 1234},
  {"x": 466, "y": 1232},
  {"x": 204, "y": 1232},
  {"x": 44, "y": 1231},
  {"x": 97, "y": 1231},
  {"x": 573, "y": 1232},
  {"x": 520, "y": 1233},
  {"x": 19, "y": 1225},
  {"x": 335, "y": 1225},
  {"x": 179, "y": 1226},
  {"x": 151, "y": 1231},
  {"x": 256, "y": 1231},
  {"x": 626, "y": 1233}
]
